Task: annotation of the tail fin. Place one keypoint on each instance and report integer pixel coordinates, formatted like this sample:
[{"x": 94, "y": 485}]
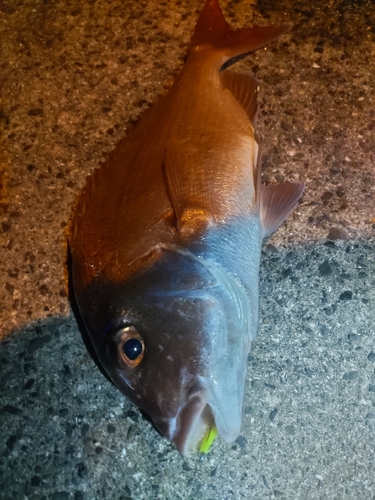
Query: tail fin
[{"x": 213, "y": 30}]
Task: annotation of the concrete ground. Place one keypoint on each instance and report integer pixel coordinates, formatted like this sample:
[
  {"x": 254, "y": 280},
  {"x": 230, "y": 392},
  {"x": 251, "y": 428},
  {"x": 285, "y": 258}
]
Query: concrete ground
[{"x": 75, "y": 75}]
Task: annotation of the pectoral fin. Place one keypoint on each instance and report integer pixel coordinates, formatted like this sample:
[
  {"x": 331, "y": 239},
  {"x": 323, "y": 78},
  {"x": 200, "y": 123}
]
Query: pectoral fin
[
  {"x": 276, "y": 203},
  {"x": 192, "y": 200}
]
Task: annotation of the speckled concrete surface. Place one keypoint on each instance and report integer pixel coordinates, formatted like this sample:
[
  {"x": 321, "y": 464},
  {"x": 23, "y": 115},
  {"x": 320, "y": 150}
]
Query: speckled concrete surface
[{"x": 74, "y": 77}]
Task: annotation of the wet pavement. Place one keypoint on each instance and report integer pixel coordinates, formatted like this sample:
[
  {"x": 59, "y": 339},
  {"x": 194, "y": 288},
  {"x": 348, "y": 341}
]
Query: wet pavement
[{"x": 75, "y": 76}]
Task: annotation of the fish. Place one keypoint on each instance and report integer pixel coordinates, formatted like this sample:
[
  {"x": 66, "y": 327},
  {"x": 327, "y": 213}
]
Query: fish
[{"x": 166, "y": 238}]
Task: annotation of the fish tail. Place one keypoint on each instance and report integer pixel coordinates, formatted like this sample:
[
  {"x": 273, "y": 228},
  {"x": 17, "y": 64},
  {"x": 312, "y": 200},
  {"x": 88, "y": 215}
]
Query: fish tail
[{"x": 213, "y": 30}]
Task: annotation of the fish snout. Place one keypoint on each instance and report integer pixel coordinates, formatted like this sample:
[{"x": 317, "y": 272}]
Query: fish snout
[
  {"x": 192, "y": 421},
  {"x": 201, "y": 408}
]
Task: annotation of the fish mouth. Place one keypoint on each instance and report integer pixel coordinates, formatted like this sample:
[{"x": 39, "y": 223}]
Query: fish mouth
[
  {"x": 194, "y": 422},
  {"x": 197, "y": 414}
]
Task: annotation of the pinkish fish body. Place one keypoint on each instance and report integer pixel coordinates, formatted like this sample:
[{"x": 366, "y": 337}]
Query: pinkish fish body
[{"x": 166, "y": 243}]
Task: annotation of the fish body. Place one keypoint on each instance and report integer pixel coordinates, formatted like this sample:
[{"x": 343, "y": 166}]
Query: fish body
[{"x": 166, "y": 243}]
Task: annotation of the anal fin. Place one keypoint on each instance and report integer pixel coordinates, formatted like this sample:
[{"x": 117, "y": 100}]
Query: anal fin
[{"x": 245, "y": 89}]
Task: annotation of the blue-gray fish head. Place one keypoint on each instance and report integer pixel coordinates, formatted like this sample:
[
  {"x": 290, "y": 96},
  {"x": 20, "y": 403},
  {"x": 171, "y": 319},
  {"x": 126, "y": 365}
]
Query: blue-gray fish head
[{"x": 173, "y": 340}]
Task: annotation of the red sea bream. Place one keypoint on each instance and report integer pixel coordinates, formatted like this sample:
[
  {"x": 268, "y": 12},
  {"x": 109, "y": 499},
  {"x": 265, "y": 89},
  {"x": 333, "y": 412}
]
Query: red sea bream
[{"x": 166, "y": 242}]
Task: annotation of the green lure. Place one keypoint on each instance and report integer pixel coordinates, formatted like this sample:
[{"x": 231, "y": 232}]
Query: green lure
[{"x": 208, "y": 440}]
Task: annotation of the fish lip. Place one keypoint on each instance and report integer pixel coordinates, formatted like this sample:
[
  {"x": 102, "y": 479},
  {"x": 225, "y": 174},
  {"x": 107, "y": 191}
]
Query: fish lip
[
  {"x": 196, "y": 419},
  {"x": 193, "y": 420},
  {"x": 197, "y": 413}
]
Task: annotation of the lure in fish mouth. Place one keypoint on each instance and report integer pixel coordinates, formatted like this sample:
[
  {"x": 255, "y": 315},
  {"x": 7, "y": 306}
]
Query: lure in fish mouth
[{"x": 166, "y": 239}]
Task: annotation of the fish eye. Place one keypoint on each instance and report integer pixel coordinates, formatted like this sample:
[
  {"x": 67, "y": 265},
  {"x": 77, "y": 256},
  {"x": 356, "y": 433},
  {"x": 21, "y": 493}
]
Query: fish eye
[{"x": 130, "y": 346}]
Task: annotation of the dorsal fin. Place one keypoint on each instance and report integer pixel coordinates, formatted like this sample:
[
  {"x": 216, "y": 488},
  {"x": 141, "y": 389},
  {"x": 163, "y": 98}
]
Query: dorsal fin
[
  {"x": 80, "y": 206},
  {"x": 213, "y": 30},
  {"x": 93, "y": 180},
  {"x": 245, "y": 90}
]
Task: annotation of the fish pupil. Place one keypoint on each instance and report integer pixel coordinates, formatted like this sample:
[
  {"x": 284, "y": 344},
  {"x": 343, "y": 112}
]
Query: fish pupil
[{"x": 132, "y": 349}]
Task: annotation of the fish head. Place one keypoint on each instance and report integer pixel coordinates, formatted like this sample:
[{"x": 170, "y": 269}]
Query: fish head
[{"x": 171, "y": 339}]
